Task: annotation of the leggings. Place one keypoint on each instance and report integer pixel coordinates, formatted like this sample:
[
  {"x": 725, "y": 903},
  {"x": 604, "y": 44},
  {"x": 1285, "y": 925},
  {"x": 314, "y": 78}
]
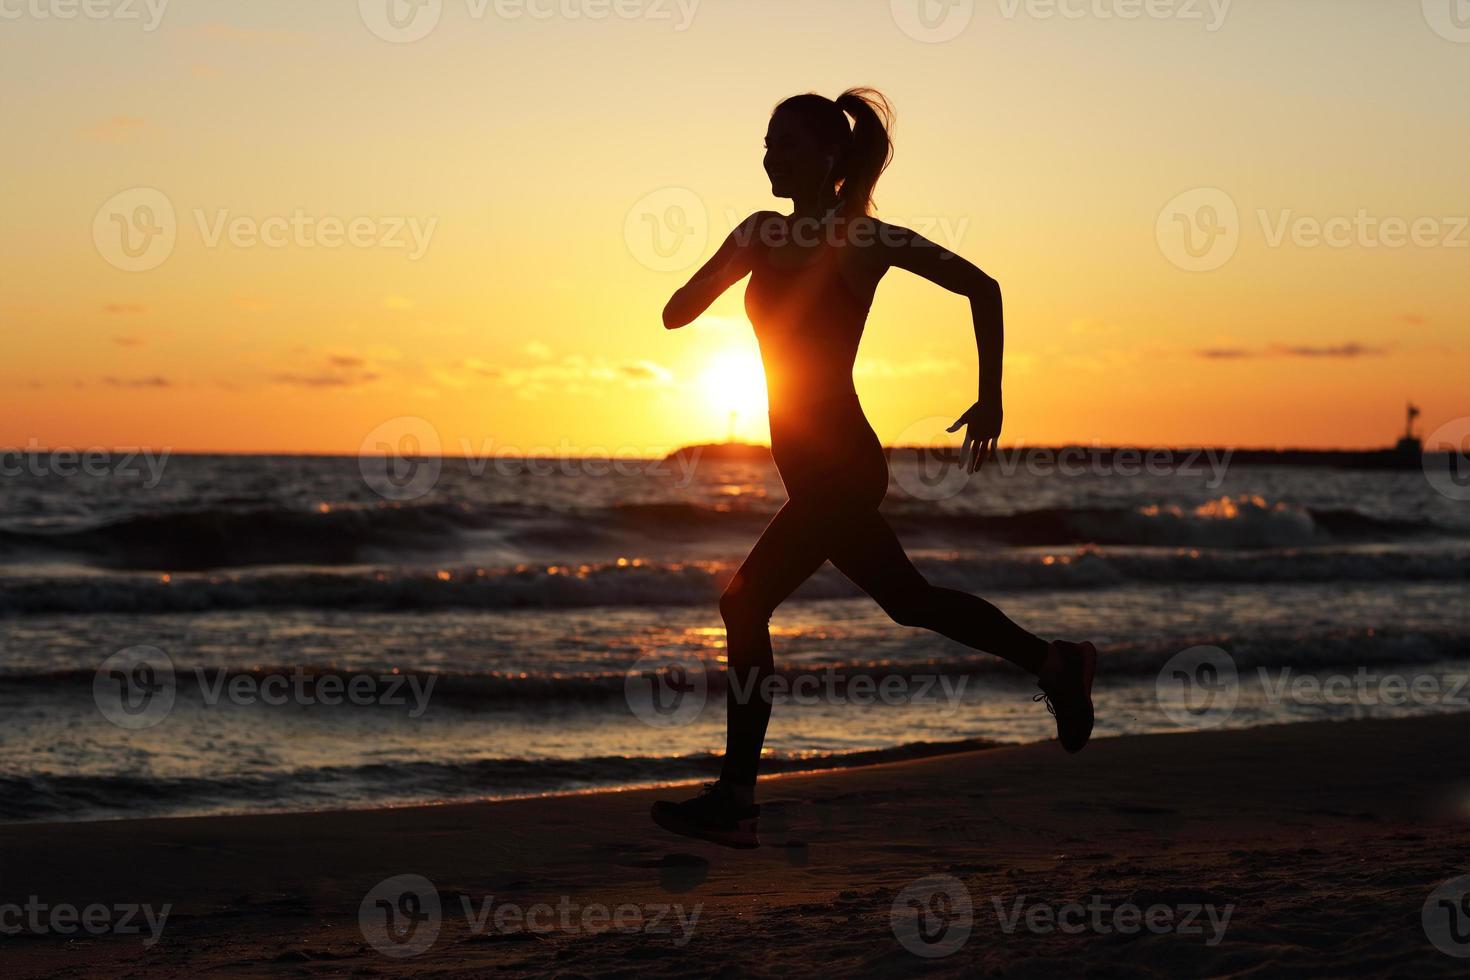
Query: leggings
[{"x": 858, "y": 541}]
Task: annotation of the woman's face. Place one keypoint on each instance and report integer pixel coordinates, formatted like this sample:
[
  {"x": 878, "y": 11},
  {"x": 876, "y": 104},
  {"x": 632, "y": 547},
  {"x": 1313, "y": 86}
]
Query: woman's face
[{"x": 795, "y": 161}]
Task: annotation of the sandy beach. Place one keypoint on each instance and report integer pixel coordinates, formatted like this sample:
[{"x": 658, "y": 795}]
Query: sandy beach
[{"x": 1296, "y": 850}]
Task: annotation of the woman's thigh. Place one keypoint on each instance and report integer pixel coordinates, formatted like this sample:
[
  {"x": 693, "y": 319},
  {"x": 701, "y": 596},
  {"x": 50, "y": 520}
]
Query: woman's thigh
[{"x": 794, "y": 545}]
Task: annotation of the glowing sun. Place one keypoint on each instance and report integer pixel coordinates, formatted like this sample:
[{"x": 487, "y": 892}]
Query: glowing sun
[{"x": 734, "y": 382}]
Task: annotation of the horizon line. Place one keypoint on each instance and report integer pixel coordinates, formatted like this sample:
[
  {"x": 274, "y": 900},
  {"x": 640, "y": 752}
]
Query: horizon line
[{"x": 659, "y": 452}]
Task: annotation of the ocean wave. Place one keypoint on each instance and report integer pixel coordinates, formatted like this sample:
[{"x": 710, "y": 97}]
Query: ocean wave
[
  {"x": 636, "y": 582},
  {"x": 49, "y": 796},
  {"x": 226, "y": 537},
  {"x": 472, "y": 691},
  {"x": 237, "y": 538}
]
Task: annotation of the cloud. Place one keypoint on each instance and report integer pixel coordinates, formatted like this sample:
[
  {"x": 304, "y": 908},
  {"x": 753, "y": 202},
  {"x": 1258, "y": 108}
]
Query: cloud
[
  {"x": 538, "y": 350},
  {"x": 1347, "y": 350},
  {"x": 645, "y": 371},
  {"x": 1337, "y": 350},
  {"x": 336, "y": 369},
  {"x": 325, "y": 380},
  {"x": 153, "y": 382},
  {"x": 118, "y": 129},
  {"x": 574, "y": 375}
]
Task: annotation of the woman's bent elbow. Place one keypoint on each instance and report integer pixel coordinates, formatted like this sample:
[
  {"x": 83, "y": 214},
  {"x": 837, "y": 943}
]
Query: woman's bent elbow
[{"x": 674, "y": 314}]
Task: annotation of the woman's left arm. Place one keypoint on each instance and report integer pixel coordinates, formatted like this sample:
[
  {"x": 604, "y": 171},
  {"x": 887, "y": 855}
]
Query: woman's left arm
[{"x": 905, "y": 249}]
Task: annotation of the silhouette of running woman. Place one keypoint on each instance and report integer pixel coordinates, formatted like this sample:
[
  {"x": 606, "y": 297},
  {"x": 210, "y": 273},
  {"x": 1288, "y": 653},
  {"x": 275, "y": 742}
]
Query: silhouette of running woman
[{"x": 813, "y": 274}]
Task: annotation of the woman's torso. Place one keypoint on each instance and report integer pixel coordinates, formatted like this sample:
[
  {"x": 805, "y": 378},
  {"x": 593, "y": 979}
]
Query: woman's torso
[{"x": 809, "y": 305}]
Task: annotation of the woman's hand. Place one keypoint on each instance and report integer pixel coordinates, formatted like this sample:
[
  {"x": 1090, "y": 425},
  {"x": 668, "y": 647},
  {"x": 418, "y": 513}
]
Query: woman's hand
[{"x": 982, "y": 422}]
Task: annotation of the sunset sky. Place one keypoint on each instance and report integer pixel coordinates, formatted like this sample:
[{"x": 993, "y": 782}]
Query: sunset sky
[{"x": 534, "y": 156}]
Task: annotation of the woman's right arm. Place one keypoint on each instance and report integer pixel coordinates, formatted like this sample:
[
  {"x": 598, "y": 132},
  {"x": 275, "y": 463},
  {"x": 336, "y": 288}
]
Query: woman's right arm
[{"x": 730, "y": 264}]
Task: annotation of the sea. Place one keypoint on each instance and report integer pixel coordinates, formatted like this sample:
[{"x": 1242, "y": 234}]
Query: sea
[{"x": 230, "y": 634}]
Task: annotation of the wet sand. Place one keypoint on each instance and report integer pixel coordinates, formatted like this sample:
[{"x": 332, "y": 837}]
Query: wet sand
[{"x": 1299, "y": 850}]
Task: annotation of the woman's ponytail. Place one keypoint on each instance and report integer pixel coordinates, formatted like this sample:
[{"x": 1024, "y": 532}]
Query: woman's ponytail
[{"x": 869, "y": 152}]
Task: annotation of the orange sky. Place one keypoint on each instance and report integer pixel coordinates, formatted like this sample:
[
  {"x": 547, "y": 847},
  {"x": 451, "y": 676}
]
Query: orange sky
[{"x": 490, "y": 192}]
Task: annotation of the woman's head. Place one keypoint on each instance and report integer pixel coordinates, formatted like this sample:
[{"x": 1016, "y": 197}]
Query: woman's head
[{"x": 812, "y": 149}]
